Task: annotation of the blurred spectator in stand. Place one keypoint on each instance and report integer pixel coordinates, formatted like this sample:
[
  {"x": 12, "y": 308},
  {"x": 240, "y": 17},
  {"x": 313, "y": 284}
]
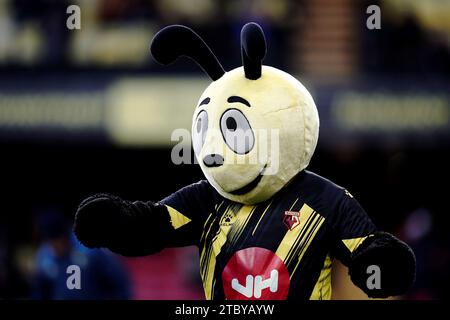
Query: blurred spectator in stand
[
  {"x": 12, "y": 283},
  {"x": 433, "y": 258},
  {"x": 403, "y": 46},
  {"x": 102, "y": 274},
  {"x": 50, "y": 18}
]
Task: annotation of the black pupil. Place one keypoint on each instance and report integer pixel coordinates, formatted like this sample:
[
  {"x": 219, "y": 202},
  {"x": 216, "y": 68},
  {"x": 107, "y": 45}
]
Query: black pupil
[
  {"x": 199, "y": 124},
  {"x": 231, "y": 124}
]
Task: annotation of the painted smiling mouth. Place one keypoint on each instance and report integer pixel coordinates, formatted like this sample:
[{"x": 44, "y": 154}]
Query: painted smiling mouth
[{"x": 250, "y": 186}]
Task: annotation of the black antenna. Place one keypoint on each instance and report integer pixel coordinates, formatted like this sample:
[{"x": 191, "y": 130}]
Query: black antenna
[
  {"x": 253, "y": 49},
  {"x": 176, "y": 40}
]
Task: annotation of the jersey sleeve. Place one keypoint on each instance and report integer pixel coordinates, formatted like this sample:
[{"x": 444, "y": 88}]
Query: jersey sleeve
[
  {"x": 350, "y": 226},
  {"x": 188, "y": 209}
]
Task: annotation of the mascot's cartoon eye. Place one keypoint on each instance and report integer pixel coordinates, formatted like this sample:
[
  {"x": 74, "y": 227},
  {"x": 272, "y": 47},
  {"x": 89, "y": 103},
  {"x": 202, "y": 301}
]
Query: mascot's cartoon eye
[
  {"x": 231, "y": 124},
  {"x": 236, "y": 131},
  {"x": 199, "y": 134}
]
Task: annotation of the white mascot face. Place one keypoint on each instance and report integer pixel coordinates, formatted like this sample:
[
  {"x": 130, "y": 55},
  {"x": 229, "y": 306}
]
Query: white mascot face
[
  {"x": 251, "y": 137},
  {"x": 255, "y": 127}
]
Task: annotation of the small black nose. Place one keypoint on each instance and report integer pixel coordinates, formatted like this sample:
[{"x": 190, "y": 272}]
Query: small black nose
[{"x": 213, "y": 160}]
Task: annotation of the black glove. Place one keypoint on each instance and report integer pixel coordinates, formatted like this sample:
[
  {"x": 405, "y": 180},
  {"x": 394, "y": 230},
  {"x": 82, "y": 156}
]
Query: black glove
[
  {"x": 396, "y": 262},
  {"x": 97, "y": 220},
  {"x": 128, "y": 228}
]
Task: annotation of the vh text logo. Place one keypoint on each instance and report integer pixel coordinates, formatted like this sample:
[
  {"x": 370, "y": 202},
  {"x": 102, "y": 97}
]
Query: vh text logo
[
  {"x": 255, "y": 285},
  {"x": 255, "y": 274}
]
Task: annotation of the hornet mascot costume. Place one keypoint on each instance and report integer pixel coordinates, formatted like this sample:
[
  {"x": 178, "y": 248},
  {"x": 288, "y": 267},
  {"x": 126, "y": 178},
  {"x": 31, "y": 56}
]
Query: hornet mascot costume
[{"x": 267, "y": 228}]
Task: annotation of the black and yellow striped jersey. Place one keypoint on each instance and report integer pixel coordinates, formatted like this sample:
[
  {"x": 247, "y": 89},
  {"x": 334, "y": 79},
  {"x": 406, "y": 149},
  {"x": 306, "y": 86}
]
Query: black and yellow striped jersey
[{"x": 278, "y": 249}]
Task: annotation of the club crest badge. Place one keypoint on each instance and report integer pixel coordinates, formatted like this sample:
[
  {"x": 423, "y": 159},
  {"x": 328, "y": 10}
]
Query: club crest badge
[{"x": 291, "y": 219}]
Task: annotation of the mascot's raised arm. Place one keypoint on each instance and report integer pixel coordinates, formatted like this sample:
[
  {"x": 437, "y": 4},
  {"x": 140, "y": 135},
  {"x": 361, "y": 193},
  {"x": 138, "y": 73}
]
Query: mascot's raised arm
[{"x": 266, "y": 228}]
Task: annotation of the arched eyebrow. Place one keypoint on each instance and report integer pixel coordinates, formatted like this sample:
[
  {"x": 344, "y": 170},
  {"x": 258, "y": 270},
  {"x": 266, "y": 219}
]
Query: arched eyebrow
[
  {"x": 205, "y": 101},
  {"x": 233, "y": 99}
]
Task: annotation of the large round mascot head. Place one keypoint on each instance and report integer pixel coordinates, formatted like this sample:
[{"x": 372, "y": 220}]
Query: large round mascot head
[{"x": 254, "y": 127}]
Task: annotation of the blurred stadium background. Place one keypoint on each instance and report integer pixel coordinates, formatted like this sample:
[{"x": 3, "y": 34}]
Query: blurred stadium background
[{"x": 88, "y": 111}]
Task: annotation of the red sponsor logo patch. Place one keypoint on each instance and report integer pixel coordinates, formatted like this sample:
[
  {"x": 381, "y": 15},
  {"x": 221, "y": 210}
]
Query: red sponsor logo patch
[
  {"x": 255, "y": 274},
  {"x": 291, "y": 219}
]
